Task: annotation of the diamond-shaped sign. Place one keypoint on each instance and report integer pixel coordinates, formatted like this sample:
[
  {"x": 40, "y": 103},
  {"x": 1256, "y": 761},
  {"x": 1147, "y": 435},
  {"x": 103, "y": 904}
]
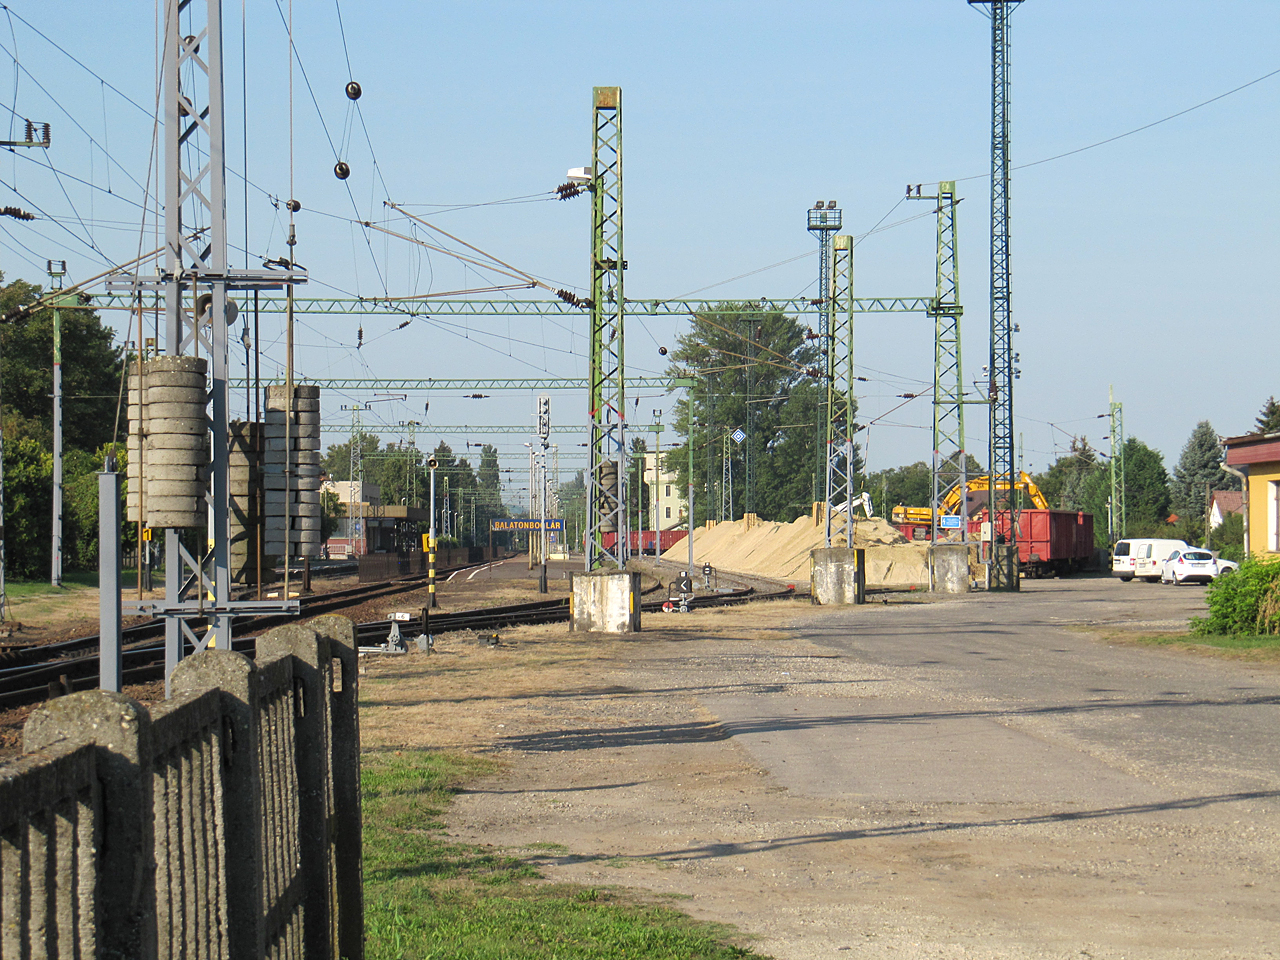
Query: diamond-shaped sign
[{"x": 738, "y": 435}]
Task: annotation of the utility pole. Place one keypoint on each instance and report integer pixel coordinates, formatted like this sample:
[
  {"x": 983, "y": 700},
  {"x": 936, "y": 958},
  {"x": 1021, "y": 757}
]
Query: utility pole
[
  {"x": 607, "y": 467},
  {"x": 824, "y": 222},
  {"x": 726, "y": 478},
  {"x": 950, "y": 460},
  {"x": 1117, "y": 521},
  {"x": 689, "y": 505},
  {"x": 842, "y": 405},
  {"x": 355, "y": 479},
  {"x": 57, "y": 270},
  {"x": 1004, "y": 557},
  {"x": 657, "y": 484},
  {"x": 30, "y": 141},
  {"x": 199, "y": 275}
]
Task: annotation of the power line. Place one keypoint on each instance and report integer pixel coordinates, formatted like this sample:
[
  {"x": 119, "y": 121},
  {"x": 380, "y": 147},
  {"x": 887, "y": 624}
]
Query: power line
[{"x": 1130, "y": 133}]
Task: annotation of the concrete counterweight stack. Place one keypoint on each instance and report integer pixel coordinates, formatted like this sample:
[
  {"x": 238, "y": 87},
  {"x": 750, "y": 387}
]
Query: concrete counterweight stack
[
  {"x": 244, "y": 477},
  {"x": 169, "y": 463},
  {"x": 291, "y": 438}
]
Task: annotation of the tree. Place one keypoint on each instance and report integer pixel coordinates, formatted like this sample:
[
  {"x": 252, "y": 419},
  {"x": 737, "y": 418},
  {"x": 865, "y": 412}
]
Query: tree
[
  {"x": 755, "y": 371},
  {"x": 1065, "y": 482},
  {"x": 909, "y": 486},
  {"x": 91, "y": 369},
  {"x": 1269, "y": 419},
  {"x": 1198, "y": 470},
  {"x": 1147, "y": 496}
]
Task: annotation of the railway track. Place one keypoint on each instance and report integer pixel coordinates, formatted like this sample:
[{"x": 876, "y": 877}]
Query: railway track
[
  {"x": 75, "y": 665},
  {"x": 26, "y": 672}
]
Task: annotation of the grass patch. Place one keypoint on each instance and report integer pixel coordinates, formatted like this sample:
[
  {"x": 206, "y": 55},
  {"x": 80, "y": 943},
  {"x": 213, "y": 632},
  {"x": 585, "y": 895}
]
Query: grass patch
[
  {"x": 1252, "y": 646},
  {"x": 427, "y": 897},
  {"x": 73, "y": 580}
]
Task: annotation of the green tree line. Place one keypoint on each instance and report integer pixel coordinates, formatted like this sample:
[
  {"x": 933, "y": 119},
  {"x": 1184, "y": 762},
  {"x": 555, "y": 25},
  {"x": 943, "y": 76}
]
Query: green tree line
[{"x": 92, "y": 366}]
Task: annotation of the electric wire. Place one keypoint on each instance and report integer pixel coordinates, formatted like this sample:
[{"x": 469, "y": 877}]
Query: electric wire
[{"x": 1135, "y": 130}]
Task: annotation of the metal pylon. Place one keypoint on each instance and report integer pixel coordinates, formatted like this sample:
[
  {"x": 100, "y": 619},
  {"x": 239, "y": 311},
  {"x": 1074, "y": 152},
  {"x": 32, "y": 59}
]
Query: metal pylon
[
  {"x": 197, "y": 278},
  {"x": 607, "y": 476},
  {"x": 1004, "y": 562},
  {"x": 726, "y": 478},
  {"x": 842, "y": 405},
  {"x": 824, "y": 222},
  {"x": 950, "y": 470},
  {"x": 1118, "y": 527}
]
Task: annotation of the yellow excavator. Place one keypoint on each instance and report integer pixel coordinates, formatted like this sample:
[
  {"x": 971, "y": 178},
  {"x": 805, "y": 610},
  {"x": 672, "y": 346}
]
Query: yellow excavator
[{"x": 952, "y": 502}]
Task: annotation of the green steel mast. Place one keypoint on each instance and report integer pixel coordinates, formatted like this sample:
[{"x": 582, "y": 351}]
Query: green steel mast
[
  {"x": 949, "y": 457},
  {"x": 1117, "y": 526},
  {"x": 824, "y": 222},
  {"x": 607, "y": 474},
  {"x": 842, "y": 406}
]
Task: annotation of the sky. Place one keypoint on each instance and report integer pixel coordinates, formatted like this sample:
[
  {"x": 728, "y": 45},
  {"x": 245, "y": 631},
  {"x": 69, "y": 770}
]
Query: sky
[{"x": 1141, "y": 265}]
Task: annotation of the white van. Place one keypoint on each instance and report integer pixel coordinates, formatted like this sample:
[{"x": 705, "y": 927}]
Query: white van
[
  {"x": 1122, "y": 557},
  {"x": 1149, "y": 557}
]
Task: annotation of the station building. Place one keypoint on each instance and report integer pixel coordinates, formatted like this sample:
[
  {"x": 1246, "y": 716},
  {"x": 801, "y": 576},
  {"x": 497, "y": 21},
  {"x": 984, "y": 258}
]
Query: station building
[{"x": 1257, "y": 457}]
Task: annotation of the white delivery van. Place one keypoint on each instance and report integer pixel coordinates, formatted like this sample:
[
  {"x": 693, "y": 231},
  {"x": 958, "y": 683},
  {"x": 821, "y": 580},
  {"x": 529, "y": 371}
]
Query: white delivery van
[
  {"x": 1149, "y": 557},
  {"x": 1122, "y": 558}
]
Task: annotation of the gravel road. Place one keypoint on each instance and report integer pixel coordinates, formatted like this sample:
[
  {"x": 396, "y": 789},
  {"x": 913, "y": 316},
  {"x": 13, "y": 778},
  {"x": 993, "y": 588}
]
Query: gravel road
[{"x": 992, "y": 776}]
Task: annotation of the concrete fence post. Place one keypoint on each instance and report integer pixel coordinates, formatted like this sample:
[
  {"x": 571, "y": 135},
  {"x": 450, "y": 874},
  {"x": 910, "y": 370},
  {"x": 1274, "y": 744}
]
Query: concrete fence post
[
  {"x": 120, "y": 729},
  {"x": 345, "y": 700},
  {"x": 235, "y": 677},
  {"x": 313, "y": 680}
]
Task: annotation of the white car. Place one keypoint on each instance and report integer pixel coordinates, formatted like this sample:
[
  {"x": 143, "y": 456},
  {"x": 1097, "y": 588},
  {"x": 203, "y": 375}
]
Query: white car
[{"x": 1194, "y": 565}]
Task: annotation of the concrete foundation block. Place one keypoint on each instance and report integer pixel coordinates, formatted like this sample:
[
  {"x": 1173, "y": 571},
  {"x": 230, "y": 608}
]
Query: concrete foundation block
[
  {"x": 835, "y": 575},
  {"x": 949, "y": 567},
  {"x": 605, "y": 602}
]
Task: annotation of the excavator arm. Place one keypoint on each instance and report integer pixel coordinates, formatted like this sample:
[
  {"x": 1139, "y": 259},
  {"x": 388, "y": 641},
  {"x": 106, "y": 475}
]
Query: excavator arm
[{"x": 951, "y": 503}]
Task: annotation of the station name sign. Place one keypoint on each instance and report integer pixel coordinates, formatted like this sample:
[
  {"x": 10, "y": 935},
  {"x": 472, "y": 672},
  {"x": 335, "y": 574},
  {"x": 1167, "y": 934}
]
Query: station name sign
[{"x": 504, "y": 525}]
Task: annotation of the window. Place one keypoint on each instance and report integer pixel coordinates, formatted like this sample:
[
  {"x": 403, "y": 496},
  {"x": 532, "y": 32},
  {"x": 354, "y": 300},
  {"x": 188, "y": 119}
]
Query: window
[
  {"x": 1273, "y": 516},
  {"x": 668, "y": 513},
  {"x": 667, "y": 494},
  {"x": 1122, "y": 548}
]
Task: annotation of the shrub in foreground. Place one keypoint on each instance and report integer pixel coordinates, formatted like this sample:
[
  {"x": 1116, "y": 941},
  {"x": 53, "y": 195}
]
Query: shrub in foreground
[{"x": 1246, "y": 601}]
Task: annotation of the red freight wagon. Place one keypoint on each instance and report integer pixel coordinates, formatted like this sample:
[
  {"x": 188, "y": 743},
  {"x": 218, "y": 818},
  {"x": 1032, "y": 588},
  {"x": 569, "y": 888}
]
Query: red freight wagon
[
  {"x": 643, "y": 540},
  {"x": 1052, "y": 542}
]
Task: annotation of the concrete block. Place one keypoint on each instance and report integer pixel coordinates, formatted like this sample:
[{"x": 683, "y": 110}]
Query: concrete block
[
  {"x": 949, "y": 567},
  {"x": 195, "y": 440},
  {"x": 193, "y": 426},
  {"x": 835, "y": 575},
  {"x": 605, "y": 602},
  {"x": 189, "y": 394}
]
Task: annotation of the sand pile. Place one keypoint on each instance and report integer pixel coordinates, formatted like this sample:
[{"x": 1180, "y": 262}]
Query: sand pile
[{"x": 781, "y": 550}]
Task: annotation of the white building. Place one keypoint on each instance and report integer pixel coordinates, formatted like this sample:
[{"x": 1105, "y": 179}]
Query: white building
[{"x": 667, "y": 498}]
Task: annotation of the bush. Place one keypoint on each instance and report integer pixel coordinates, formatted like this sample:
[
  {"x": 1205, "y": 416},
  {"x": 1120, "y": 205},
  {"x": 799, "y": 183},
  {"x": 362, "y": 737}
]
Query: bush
[{"x": 1244, "y": 602}]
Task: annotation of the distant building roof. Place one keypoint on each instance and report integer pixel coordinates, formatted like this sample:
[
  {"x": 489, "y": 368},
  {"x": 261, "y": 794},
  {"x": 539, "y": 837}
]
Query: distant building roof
[
  {"x": 1228, "y": 501},
  {"x": 1252, "y": 448}
]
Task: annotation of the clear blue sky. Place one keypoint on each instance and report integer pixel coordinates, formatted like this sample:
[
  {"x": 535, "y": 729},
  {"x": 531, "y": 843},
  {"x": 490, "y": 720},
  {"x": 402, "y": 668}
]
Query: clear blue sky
[{"x": 1146, "y": 263}]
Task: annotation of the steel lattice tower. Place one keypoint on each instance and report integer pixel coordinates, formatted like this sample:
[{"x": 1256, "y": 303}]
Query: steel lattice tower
[
  {"x": 842, "y": 406},
  {"x": 949, "y": 458},
  {"x": 1116, "y": 508},
  {"x": 607, "y": 476},
  {"x": 1004, "y": 562},
  {"x": 824, "y": 222},
  {"x": 726, "y": 478},
  {"x": 197, "y": 280}
]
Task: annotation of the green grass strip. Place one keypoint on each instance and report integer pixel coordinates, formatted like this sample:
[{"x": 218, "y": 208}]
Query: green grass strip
[
  {"x": 428, "y": 898},
  {"x": 1221, "y": 641}
]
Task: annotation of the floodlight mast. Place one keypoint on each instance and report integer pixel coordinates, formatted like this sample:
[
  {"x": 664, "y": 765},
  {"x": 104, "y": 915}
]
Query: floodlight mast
[
  {"x": 1003, "y": 528},
  {"x": 824, "y": 222},
  {"x": 607, "y": 467}
]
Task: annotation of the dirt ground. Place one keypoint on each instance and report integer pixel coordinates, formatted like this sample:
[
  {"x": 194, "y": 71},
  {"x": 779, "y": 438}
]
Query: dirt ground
[{"x": 614, "y": 775}]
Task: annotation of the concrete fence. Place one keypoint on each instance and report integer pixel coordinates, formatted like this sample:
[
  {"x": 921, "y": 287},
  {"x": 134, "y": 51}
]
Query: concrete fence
[{"x": 223, "y": 823}]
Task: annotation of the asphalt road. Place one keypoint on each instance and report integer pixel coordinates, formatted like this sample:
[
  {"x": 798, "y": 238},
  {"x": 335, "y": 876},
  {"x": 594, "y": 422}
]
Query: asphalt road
[
  {"x": 998, "y": 698},
  {"x": 977, "y": 778}
]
